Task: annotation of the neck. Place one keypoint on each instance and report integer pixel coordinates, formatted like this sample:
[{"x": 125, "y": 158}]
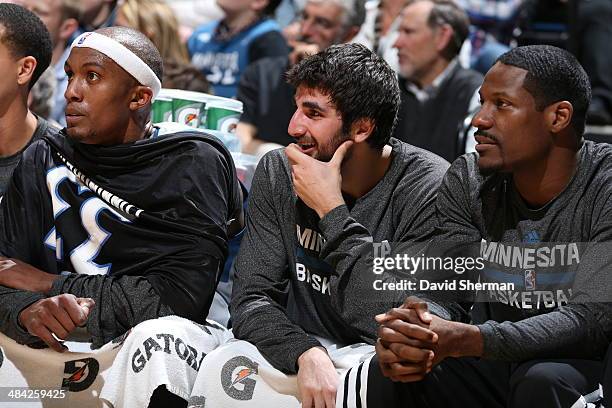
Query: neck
[
  {"x": 357, "y": 178},
  {"x": 135, "y": 132},
  {"x": 239, "y": 21},
  {"x": 539, "y": 183},
  {"x": 17, "y": 125},
  {"x": 431, "y": 73}
]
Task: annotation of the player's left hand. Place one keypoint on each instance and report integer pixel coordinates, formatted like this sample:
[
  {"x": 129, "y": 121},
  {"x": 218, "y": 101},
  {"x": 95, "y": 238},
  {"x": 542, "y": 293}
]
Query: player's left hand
[
  {"x": 318, "y": 184},
  {"x": 19, "y": 275}
]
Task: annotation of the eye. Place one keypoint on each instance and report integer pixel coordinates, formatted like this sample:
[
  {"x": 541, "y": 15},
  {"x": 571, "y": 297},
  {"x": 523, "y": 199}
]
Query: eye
[
  {"x": 92, "y": 76},
  {"x": 500, "y": 103},
  {"x": 69, "y": 74}
]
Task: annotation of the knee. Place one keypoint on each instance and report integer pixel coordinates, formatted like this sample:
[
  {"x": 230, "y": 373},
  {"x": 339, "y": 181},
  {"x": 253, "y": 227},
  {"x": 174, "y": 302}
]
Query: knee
[{"x": 536, "y": 378}]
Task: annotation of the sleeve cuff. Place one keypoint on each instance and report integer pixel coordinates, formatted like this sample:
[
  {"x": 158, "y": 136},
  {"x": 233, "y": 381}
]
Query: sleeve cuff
[
  {"x": 334, "y": 220},
  {"x": 21, "y": 335},
  {"x": 489, "y": 335},
  {"x": 58, "y": 285},
  {"x": 297, "y": 350}
]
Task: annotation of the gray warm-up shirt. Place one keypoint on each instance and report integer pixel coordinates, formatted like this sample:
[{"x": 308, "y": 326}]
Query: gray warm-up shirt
[
  {"x": 299, "y": 276},
  {"x": 558, "y": 258}
]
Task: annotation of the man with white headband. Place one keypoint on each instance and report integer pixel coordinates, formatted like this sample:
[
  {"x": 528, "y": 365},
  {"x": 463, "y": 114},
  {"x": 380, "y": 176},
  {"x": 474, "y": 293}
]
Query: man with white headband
[{"x": 108, "y": 224}]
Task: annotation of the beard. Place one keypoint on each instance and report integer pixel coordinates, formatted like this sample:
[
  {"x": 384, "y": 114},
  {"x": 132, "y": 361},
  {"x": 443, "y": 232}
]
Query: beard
[{"x": 326, "y": 151}]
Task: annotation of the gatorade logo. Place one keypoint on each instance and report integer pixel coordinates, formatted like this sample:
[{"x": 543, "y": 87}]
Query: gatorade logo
[
  {"x": 236, "y": 378},
  {"x": 228, "y": 124},
  {"x": 188, "y": 116},
  {"x": 80, "y": 374}
]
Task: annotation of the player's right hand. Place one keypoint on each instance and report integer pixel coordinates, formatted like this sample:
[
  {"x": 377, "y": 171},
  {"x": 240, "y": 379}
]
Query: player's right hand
[
  {"x": 58, "y": 315},
  {"x": 317, "y": 379}
]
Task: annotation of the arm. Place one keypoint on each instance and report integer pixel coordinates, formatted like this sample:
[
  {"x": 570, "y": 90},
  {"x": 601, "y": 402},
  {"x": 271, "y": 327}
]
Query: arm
[{"x": 261, "y": 280}]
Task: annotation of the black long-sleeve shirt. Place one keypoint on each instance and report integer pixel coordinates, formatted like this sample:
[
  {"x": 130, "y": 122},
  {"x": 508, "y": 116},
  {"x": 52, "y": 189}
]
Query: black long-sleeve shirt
[{"x": 141, "y": 228}]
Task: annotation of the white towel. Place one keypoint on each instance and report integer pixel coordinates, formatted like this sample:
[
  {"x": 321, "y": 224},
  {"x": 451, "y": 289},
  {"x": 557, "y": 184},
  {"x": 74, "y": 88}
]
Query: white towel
[
  {"x": 236, "y": 375},
  {"x": 123, "y": 373}
]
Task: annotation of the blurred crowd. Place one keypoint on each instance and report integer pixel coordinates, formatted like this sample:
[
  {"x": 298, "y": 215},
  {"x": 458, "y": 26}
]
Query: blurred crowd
[{"x": 242, "y": 49}]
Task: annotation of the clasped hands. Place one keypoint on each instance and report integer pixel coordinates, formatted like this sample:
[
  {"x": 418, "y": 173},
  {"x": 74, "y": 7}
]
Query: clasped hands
[{"x": 411, "y": 341}]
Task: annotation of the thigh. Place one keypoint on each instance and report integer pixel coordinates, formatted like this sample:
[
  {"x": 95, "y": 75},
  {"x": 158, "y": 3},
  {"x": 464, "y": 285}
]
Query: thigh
[
  {"x": 464, "y": 382},
  {"x": 554, "y": 383}
]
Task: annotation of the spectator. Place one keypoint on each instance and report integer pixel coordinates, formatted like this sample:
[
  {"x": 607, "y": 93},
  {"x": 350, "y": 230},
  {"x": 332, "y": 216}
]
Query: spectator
[
  {"x": 24, "y": 55},
  {"x": 97, "y": 14},
  {"x": 267, "y": 98},
  {"x": 157, "y": 21},
  {"x": 381, "y": 28},
  {"x": 437, "y": 93},
  {"x": 223, "y": 49},
  {"x": 62, "y": 20}
]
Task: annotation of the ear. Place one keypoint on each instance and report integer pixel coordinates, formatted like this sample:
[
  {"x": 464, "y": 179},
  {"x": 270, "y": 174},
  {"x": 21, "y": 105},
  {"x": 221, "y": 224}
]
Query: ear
[
  {"x": 141, "y": 96},
  {"x": 444, "y": 35},
  {"x": 26, "y": 66},
  {"x": 558, "y": 116},
  {"x": 68, "y": 27},
  {"x": 362, "y": 129}
]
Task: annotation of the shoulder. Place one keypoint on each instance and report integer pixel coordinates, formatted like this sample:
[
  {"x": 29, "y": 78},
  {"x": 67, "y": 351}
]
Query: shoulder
[
  {"x": 418, "y": 162},
  {"x": 202, "y": 34},
  {"x": 597, "y": 160}
]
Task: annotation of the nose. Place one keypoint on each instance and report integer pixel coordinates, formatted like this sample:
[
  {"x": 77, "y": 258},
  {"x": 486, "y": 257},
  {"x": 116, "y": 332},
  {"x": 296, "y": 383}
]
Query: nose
[
  {"x": 482, "y": 119},
  {"x": 307, "y": 29},
  {"x": 73, "y": 91},
  {"x": 296, "y": 126},
  {"x": 398, "y": 42}
]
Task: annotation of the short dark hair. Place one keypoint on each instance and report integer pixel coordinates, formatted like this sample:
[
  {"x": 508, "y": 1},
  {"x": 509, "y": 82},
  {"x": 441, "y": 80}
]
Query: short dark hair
[
  {"x": 553, "y": 75},
  {"x": 359, "y": 83},
  {"x": 139, "y": 44},
  {"x": 24, "y": 34},
  {"x": 448, "y": 12}
]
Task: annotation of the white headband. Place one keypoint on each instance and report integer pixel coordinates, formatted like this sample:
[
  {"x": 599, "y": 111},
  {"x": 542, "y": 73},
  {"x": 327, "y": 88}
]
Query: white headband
[{"x": 125, "y": 58}]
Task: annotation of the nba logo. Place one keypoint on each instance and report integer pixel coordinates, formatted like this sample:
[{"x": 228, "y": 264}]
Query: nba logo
[
  {"x": 530, "y": 279},
  {"x": 83, "y": 38}
]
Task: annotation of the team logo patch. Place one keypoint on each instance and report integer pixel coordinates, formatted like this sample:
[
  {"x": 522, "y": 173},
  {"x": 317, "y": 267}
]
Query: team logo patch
[
  {"x": 236, "y": 378},
  {"x": 83, "y": 38},
  {"x": 80, "y": 374},
  {"x": 530, "y": 279}
]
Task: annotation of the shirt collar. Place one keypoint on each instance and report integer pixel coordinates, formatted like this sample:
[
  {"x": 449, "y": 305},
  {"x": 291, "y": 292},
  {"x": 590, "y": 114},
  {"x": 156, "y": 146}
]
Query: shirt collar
[{"x": 430, "y": 90}]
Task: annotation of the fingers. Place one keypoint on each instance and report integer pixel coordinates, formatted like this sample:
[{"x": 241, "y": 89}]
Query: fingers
[
  {"x": 340, "y": 153},
  {"x": 387, "y": 335},
  {"x": 86, "y": 305},
  {"x": 294, "y": 155},
  {"x": 45, "y": 335},
  {"x": 307, "y": 401},
  {"x": 420, "y": 306},
  {"x": 413, "y": 331}
]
